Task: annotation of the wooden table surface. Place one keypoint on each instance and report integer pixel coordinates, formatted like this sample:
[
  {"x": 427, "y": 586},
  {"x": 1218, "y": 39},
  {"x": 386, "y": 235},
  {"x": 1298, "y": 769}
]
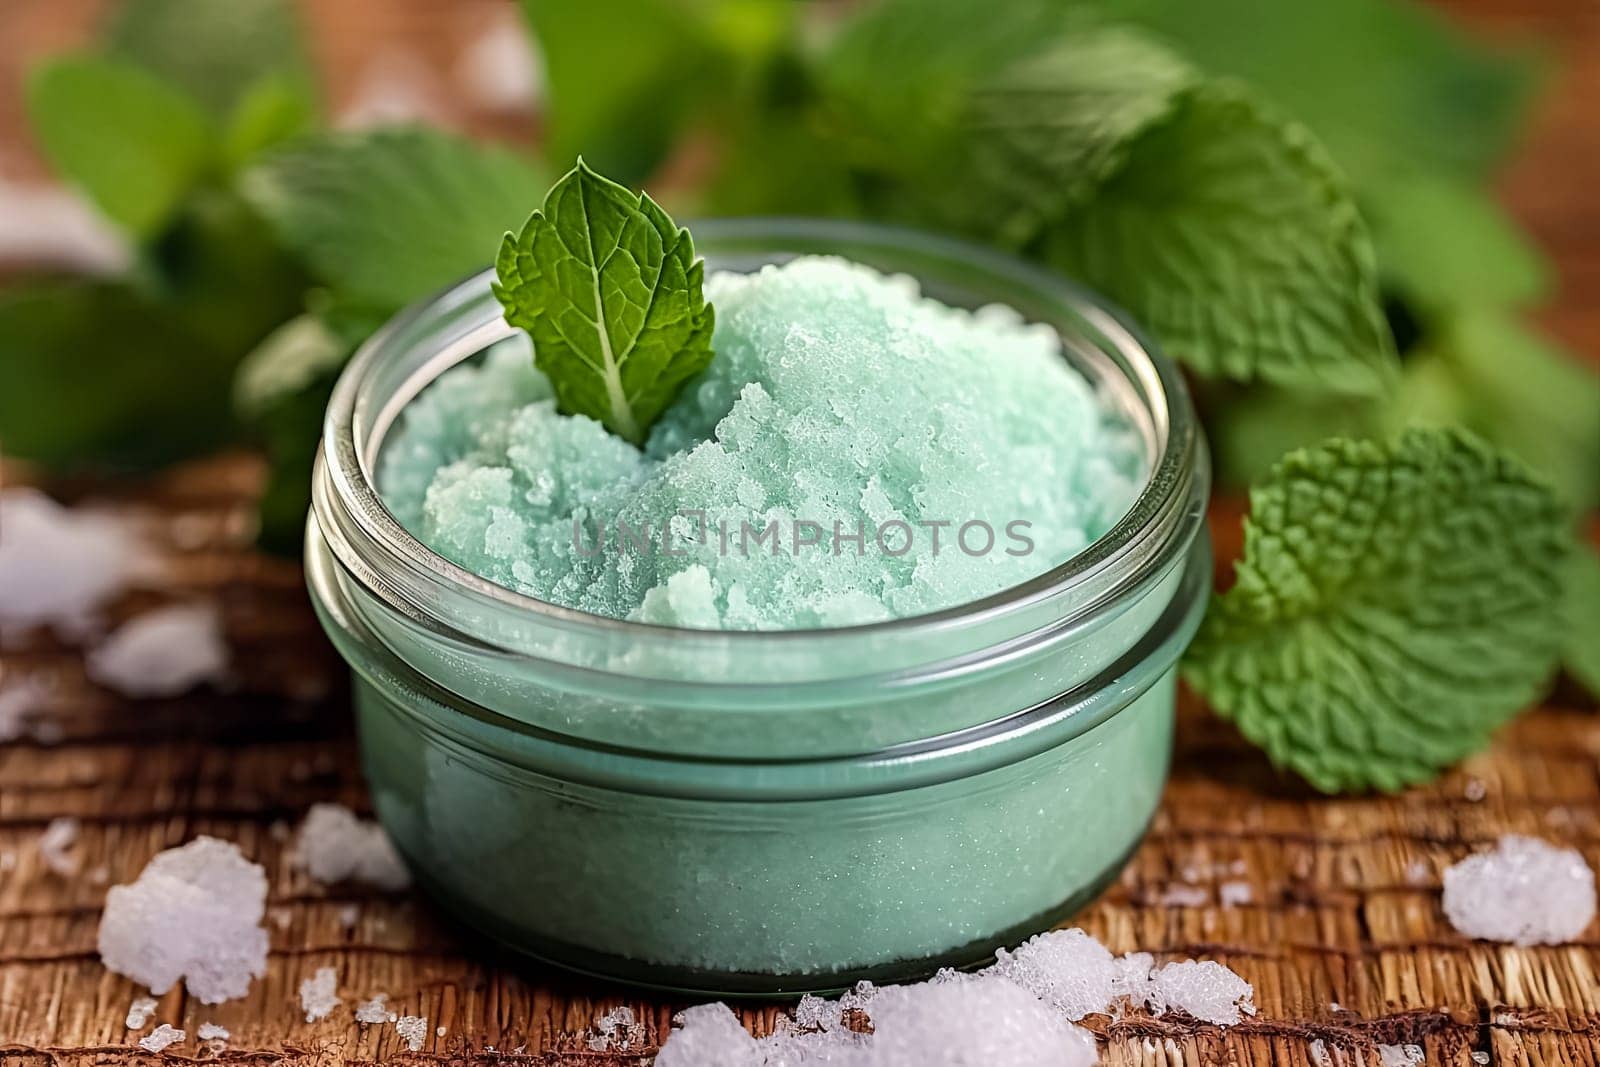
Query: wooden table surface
[{"x": 1343, "y": 938}]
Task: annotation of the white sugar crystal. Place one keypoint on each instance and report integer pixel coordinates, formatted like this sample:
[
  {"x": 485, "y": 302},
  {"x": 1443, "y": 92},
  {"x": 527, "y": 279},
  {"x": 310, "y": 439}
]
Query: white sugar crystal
[
  {"x": 375, "y": 1010},
  {"x": 502, "y": 70},
  {"x": 1132, "y": 980},
  {"x": 193, "y": 914},
  {"x": 1183, "y": 896},
  {"x": 1401, "y": 1055},
  {"x": 139, "y": 1012},
  {"x": 334, "y": 845},
  {"x": 162, "y": 653},
  {"x": 23, "y": 698},
  {"x": 1206, "y": 990},
  {"x": 59, "y": 565},
  {"x": 616, "y": 1030},
  {"x": 55, "y": 846},
  {"x": 1526, "y": 891},
  {"x": 213, "y": 1032},
  {"x": 973, "y": 1020},
  {"x": 1235, "y": 894},
  {"x": 1067, "y": 969},
  {"x": 161, "y": 1037},
  {"x": 45, "y": 224},
  {"x": 319, "y": 994},
  {"x": 413, "y": 1030},
  {"x": 709, "y": 1035}
]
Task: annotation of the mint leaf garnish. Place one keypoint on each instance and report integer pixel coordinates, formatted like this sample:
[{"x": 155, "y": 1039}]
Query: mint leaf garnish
[
  {"x": 1396, "y": 603},
  {"x": 215, "y": 52},
  {"x": 333, "y": 200},
  {"x": 610, "y": 289},
  {"x": 1229, "y": 233},
  {"x": 136, "y": 145}
]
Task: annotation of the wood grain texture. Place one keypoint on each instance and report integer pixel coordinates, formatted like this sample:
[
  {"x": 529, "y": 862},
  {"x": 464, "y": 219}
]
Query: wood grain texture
[{"x": 1342, "y": 937}]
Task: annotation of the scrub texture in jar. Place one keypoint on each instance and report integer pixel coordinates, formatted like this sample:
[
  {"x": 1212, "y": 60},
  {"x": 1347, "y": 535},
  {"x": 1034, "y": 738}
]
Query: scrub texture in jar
[
  {"x": 712, "y": 712},
  {"x": 855, "y": 452}
]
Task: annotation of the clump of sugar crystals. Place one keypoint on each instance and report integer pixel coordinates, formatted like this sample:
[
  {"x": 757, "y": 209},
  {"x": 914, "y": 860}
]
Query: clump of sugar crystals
[
  {"x": 161, "y": 653},
  {"x": 1019, "y": 1012},
  {"x": 194, "y": 914},
  {"x": 840, "y": 402},
  {"x": 162, "y": 1036},
  {"x": 1526, "y": 891},
  {"x": 335, "y": 845},
  {"x": 319, "y": 994}
]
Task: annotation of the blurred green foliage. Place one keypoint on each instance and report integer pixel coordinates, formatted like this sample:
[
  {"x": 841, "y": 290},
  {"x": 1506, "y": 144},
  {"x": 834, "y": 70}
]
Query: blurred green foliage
[{"x": 1292, "y": 197}]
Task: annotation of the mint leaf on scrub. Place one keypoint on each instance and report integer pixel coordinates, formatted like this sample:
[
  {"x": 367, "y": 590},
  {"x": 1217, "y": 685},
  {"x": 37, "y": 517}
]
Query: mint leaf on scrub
[
  {"x": 611, "y": 291},
  {"x": 1397, "y": 602}
]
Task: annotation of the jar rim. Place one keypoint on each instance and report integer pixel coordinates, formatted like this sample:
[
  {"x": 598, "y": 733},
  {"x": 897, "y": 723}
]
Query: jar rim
[{"x": 1157, "y": 526}]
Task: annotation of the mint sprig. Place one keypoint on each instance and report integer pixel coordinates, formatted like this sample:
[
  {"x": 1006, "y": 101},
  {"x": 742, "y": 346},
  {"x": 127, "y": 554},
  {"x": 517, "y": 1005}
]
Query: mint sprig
[
  {"x": 610, "y": 290},
  {"x": 1396, "y": 603}
]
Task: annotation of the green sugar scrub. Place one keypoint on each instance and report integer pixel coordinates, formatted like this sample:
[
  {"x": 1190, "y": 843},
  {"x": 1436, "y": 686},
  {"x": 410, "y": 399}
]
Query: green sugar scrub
[
  {"x": 899, "y": 456},
  {"x": 831, "y": 767}
]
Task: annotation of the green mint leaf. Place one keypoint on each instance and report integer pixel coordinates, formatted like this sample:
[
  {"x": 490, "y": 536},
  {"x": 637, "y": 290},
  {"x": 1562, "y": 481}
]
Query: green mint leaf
[
  {"x": 1444, "y": 244},
  {"x": 1524, "y": 394},
  {"x": 275, "y": 109},
  {"x": 1580, "y": 653},
  {"x": 1231, "y": 236},
  {"x": 215, "y": 52},
  {"x": 281, "y": 390},
  {"x": 1397, "y": 602},
  {"x": 98, "y": 377},
  {"x": 1388, "y": 85},
  {"x": 1046, "y": 131},
  {"x": 390, "y": 216},
  {"x": 611, "y": 291},
  {"x": 133, "y": 143},
  {"x": 625, "y": 78}
]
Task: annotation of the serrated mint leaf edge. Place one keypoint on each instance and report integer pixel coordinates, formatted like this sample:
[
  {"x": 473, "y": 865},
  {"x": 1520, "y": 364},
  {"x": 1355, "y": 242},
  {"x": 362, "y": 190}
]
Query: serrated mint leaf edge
[
  {"x": 1213, "y": 668},
  {"x": 621, "y": 418}
]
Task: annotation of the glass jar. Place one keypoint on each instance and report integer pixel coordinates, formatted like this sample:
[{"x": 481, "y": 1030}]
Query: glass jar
[{"x": 767, "y": 812}]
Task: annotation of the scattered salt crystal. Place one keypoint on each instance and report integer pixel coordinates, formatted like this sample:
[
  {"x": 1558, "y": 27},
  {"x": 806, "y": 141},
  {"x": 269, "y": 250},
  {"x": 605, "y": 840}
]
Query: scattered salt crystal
[
  {"x": 194, "y": 913},
  {"x": 1401, "y": 1055},
  {"x": 59, "y": 565},
  {"x": 319, "y": 994},
  {"x": 139, "y": 1012},
  {"x": 617, "y": 1030},
  {"x": 161, "y": 1037},
  {"x": 1206, "y": 990},
  {"x": 502, "y": 70},
  {"x": 375, "y": 1010},
  {"x": 440, "y": 1031},
  {"x": 1235, "y": 894},
  {"x": 1480, "y": 1057},
  {"x": 22, "y": 699},
  {"x": 334, "y": 845},
  {"x": 162, "y": 653},
  {"x": 1067, "y": 969},
  {"x": 1132, "y": 981},
  {"x": 395, "y": 88},
  {"x": 413, "y": 1030},
  {"x": 47, "y": 225},
  {"x": 1475, "y": 790},
  {"x": 709, "y": 1035},
  {"x": 976, "y": 1020},
  {"x": 1184, "y": 896},
  {"x": 212, "y": 1032},
  {"x": 1526, "y": 891},
  {"x": 55, "y": 846}
]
